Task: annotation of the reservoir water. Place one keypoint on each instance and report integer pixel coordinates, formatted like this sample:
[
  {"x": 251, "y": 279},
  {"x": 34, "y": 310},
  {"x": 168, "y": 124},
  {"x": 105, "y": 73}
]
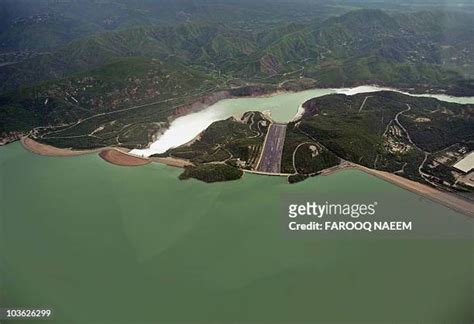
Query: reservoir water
[
  {"x": 107, "y": 244},
  {"x": 283, "y": 107}
]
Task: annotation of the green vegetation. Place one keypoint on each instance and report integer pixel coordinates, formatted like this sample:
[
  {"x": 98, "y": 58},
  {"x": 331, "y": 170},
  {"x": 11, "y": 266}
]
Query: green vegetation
[
  {"x": 125, "y": 64},
  {"x": 365, "y": 45},
  {"x": 295, "y": 178},
  {"x": 383, "y": 130},
  {"x": 235, "y": 144},
  {"x": 304, "y": 156},
  {"x": 448, "y": 124},
  {"x": 123, "y": 103},
  {"x": 413, "y": 137},
  {"x": 117, "y": 76},
  {"x": 231, "y": 141},
  {"x": 215, "y": 172},
  {"x": 352, "y": 136},
  {"x": 45, "y": 24},
  {"x": 310, "y": 159}
]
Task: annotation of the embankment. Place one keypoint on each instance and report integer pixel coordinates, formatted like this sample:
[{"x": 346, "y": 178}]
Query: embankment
[
  {"x": 447, "y": 199},
  {"x": 122, "y": 158},
  {"x": 48, "y": 150}
]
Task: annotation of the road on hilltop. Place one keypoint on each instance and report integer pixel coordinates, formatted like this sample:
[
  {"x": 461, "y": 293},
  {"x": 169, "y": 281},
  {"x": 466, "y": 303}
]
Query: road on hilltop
[{"x": 270, "y": 160}]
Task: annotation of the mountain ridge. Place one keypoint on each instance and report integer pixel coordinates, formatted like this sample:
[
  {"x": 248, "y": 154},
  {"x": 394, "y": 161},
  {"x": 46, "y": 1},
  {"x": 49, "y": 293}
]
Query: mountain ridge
[
  {"x": 206, "y": 45},
  {"x": 205, "y": 57}
]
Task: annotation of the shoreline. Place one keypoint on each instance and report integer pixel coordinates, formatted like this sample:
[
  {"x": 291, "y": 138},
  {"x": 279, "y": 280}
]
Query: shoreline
[
  {"x": 268, "y": 91},
  {"x": 124, "y": 159},
  {"x": 172, "y": 162},
  {"x": 119, "y": 156},
  {"x": 48, "y": 150},
  {"x": 262, "y": 91},
  {"x": 207, "y": 101},
  {"x": 446, "y": 199},
  {"x": 113, "y": 155}
]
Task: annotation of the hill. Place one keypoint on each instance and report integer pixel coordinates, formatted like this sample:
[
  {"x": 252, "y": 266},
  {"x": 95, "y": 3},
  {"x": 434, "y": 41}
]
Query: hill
[
  {"x": 122, "y": 103},
  {"x": 414, "y": 137},
  {"x": 364, "y": 46},
  {"x": 417, "y": 138}
]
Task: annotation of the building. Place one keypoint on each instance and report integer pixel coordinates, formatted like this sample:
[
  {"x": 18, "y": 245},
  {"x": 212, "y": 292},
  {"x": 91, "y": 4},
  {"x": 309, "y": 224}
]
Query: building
[{"x": 466, "y": 164}]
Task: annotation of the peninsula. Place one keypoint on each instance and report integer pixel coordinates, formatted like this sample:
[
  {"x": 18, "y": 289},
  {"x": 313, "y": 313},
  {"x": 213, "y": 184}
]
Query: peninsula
[{"x": 414, "y": 142}]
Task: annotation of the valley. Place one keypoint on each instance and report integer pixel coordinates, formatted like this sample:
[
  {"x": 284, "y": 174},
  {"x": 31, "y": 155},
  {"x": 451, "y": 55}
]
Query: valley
[
  {"x": 388, "y": 134},
  {"x": 123, "y": 87},
  {"x": 161, "y": 92},
  {"x": 160, "y": 161},
  {"x": 380, "y": 130}
]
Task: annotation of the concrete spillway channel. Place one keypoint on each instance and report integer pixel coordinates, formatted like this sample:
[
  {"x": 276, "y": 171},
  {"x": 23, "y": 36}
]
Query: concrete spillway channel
[{"x": 270, "y": 159}]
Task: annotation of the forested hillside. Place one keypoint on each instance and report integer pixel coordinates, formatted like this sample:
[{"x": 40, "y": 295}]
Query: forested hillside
[{"x": 93, "y": 66}]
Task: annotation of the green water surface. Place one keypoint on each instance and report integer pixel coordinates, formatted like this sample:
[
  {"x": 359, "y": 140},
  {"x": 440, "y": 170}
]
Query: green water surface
[{"x": 107, "y": 244}]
